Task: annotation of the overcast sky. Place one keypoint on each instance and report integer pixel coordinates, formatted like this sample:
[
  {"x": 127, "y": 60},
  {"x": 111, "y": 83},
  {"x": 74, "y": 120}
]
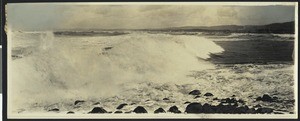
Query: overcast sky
[{"x": 60, "y": 16}]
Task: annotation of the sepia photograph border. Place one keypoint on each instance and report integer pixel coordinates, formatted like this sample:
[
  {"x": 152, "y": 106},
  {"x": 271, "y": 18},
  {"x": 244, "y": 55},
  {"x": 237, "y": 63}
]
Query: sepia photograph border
[{"x": 6, "y": 75}]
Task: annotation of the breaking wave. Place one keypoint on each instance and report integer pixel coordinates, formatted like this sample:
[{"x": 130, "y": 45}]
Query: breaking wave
[{"x": 52, "y": 68}]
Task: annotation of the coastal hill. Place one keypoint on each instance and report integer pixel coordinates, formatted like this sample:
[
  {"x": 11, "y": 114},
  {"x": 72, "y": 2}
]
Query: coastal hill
[
  {"x": 277, "y": 28},
  {"x": 287, "y": 27}
]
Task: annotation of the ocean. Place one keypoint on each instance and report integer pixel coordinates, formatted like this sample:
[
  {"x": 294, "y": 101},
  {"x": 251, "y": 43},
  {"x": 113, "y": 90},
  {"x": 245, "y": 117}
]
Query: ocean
[{"x": 53, "y": 69}]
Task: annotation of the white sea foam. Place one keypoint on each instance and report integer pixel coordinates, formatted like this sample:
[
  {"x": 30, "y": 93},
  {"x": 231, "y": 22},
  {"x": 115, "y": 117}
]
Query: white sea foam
[{"x": 65, "y": 67}]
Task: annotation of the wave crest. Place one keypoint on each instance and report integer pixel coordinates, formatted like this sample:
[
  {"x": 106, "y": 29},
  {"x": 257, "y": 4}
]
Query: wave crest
[{"x": 84, "y": 67}]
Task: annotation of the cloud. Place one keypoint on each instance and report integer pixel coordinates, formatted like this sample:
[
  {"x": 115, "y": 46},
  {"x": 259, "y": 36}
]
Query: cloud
[
  {"x": 154, "y": 16},
  {"x": 60, "y": 16}
]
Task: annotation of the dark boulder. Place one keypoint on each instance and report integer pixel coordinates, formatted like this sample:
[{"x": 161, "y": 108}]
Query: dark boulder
[
  {"x": 266, "y": 98},
  {"x": 70, "y": 112},
  {"x": 215, "y": 98},
  {"x": 108, "y": 48},
  {"x": 54, "y": 110},
  {"x": 97, "y": 103},
  {"x": 118, "y": 111},
  {"x": 197, "y": 97},
  {"x": 251, "y": 111},
  {"x": 160, "y": 110},
  {"x": 121, "y": 106},
  {"x": 140, "y": 109},
  {"x": 213, "y": 108},
  {"x": 194, "y": 108},
  {"x": 166, "y": 99},
  {"x": 187, "y": 102},
  {"x": 98, "y": 110},
  {"x": 208, "y": 94},
  {"x": 195, "y": 92},
  {"x": 174, "y": 109},
  {"x": 258, "y": 98},
  {"x": 264, "y": 110},
  {"x": 208, "y": 108},
  {"x": 278, "y": 113},
  {"x": 241, "y": 101},
  {"x": 128, "y": 112},
  {"x": 78, "y": 102},
  {"x": 241, "y": 110}
]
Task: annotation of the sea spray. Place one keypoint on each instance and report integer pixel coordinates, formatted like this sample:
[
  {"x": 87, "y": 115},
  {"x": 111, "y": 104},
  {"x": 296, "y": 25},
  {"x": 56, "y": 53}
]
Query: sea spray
[
  {"x": 46, "y": 40},
  {"x": 65, "y": 68}
]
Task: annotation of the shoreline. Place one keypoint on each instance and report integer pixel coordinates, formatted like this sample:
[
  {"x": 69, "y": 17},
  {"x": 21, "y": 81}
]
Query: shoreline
[{"x": 178, "y": 94}]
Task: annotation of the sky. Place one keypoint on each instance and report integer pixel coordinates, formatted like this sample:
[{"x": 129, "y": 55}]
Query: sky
[{"x": 24, "y": 16}]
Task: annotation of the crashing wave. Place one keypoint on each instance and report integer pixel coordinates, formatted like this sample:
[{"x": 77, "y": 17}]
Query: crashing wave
[{"x": 60, "y": 68}]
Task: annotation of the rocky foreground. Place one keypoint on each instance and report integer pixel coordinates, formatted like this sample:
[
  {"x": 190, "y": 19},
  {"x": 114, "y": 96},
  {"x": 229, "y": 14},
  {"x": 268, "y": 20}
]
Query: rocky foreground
[
  {"x": 227, "y": 106},
  {"x": 228, "y": 89}
]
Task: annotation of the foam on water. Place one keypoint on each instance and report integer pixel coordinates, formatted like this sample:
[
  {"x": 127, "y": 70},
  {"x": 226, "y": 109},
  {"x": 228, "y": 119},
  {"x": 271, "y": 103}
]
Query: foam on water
[{"x": 60, "y": 68}]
